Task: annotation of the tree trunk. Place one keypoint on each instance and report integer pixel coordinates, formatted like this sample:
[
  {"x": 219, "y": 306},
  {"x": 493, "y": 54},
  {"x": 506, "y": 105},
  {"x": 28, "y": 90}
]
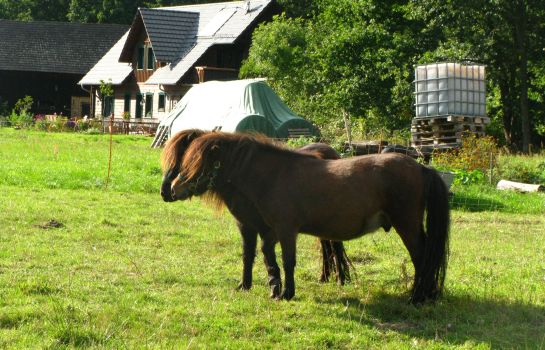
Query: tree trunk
[
  {"x": 507, "y": 111},
  {"x": 522, "y": 48}
]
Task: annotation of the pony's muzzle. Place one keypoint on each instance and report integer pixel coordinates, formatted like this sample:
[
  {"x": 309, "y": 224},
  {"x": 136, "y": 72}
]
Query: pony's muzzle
[
  {"x": 166, "y": 193},
  {"x": 185, "y": 194}
]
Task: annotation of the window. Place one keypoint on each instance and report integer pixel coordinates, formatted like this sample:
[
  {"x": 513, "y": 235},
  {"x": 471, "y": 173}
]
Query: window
[
  {"x": 149, "y": 105},
  {"x": 127, "y": 104},
  {"x": 140, "y": 58},
  {"x": 139, "y": 102},
  {"x": 151, "y": 58},
  {"x": 161, "y": 105},
  {"x": 108, "y": 107}
]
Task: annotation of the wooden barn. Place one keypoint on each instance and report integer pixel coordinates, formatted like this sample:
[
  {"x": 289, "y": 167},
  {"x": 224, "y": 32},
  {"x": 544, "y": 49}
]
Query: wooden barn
[
  {"x": 169, "y": 49},
  {"x": 46, "y": 60}
]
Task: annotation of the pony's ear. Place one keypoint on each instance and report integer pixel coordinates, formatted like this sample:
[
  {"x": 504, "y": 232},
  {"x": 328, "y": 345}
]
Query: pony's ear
[{"x": 214, "y": 153}]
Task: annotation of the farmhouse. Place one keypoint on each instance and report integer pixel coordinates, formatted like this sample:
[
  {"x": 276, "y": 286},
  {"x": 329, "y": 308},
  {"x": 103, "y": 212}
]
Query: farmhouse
[
  {"x": 169, "y": 49},
  {"x": 45, "y": 60}
]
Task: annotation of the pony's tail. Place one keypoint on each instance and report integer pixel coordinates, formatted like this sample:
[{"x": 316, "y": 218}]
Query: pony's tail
[
  {"x": 335, "y": 259},
  {"x": 433, "y": 265}
]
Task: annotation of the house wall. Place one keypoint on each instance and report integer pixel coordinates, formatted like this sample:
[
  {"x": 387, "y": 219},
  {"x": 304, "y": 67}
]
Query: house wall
[{"x": 172, "y": 95}]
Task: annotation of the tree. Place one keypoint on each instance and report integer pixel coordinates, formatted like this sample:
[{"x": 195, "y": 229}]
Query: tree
[
  {"x": 508, "y": 36},
  {"x": 32, "y": 10},
  {"x": 351, "y": 57},
  {"x": 86, "y": 11},
  {"x": 116, "y": 11}
]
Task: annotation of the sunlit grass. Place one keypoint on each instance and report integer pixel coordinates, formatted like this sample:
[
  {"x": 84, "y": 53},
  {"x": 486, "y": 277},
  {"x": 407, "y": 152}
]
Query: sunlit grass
[{"x": 95, "y": 267}]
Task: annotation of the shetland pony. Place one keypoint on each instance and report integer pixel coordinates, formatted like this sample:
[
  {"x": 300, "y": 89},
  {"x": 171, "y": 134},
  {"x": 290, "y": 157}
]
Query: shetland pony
[{"x": 331, "y": 199}]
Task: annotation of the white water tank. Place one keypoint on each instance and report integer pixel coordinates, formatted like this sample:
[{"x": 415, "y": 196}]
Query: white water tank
[{"x": 444, "y": 89}]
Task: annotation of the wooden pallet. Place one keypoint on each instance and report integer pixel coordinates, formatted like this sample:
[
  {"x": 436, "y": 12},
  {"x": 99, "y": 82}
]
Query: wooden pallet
[
  {"x": 451, "y": 119},
  {"x": 448, "y": 127},
  {"x": 447, "y": 131},
  {"x": 438, "y": 143},
  {"x": 443, "y": 134}
]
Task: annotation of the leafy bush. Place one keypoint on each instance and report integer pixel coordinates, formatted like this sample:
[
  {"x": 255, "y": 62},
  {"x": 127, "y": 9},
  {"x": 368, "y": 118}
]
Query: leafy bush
[
  {"x": 300, "y": 141},
  {"x": 20, "y": 116},
  {"x": 41, "y": 124},
  {"x": 476, "y": 157},
  {"x": 22, "y": 106},
  {"x": 464, "y": 177},
  {"x": 23, "y": 120},
  {"x": 92, "y": 131}
]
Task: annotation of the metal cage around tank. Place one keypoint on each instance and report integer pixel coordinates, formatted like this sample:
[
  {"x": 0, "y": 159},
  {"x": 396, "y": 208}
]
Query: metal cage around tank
[{"x": 446, "y": 89}]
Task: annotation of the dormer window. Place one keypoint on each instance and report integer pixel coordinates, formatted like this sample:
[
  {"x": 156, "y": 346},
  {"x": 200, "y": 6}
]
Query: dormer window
[
  {"x": 140, "y": 58},
  {"x": 145, "y": 58},
  {"x": 151, "y": 58}
]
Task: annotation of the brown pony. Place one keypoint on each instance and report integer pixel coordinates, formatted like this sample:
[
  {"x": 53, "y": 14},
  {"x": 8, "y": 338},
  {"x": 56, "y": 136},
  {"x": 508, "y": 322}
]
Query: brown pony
[
  {"x": 332, "y": 199},
  {"x": 248, "y": 219}
]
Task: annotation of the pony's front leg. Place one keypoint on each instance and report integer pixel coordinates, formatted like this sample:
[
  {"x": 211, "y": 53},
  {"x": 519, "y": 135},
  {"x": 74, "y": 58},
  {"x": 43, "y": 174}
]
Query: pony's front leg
[
  {"x": 249, "y": 242},
  {"x": 269, "y": 258},
  {"x": 288, "y": 243}
]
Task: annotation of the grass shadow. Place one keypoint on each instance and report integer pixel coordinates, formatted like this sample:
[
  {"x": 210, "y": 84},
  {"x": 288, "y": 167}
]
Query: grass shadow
[{"x": 455, "y": 320}]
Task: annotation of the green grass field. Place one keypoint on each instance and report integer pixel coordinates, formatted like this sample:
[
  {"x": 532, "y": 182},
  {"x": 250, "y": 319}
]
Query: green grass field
[{"x": 85, "y": 266}]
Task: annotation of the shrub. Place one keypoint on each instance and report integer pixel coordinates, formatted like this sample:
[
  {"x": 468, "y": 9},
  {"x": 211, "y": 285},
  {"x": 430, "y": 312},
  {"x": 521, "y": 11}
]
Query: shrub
[
  {"x": 23, "y": 120},
  {"x": 300, "y": 141},
  {"x": 475, "y": 157},
  {"x": 23, "y": 105},
  {"x": 41, "y": 124},
  {"x": 20, "y": 117},
  {"x": 92, "y": 131}
]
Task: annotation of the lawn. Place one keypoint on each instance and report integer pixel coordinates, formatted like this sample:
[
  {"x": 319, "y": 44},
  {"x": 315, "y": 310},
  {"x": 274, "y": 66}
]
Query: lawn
[{"x": 84, "y": 265}]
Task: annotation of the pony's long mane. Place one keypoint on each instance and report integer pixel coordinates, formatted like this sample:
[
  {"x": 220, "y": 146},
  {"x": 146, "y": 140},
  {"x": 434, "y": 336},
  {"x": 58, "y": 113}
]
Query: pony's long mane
[
  {"x": 176, "y": 147},
  {"x": 237, "y": 150}
]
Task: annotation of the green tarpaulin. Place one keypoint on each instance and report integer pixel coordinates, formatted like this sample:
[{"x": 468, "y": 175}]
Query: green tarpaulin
[{"x": 240, "y": 105}]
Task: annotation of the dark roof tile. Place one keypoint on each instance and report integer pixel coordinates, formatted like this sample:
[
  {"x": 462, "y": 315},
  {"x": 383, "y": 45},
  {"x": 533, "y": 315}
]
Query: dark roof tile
[{"x": 59, "y": 47}]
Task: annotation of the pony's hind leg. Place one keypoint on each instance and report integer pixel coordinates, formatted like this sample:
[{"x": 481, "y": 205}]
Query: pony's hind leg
[
  {"x": 414, "y": 239},
  {"x": 273, "y": 271},
  {"x": 249, "y": 242},
  {"x": 341, "y": 263},
  {"x": 328, "y": 262}
]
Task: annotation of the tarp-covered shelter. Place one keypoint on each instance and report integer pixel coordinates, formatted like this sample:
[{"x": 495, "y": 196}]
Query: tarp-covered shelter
[{"x": 235, "y": 106}]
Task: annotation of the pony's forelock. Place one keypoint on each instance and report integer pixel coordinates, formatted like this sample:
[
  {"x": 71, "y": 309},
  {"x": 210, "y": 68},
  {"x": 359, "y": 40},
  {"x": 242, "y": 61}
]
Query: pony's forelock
[
  {"x": 196, "y": 155},
  {"x": 168, "y": 156},
  {"x": 171, "y": 152}
]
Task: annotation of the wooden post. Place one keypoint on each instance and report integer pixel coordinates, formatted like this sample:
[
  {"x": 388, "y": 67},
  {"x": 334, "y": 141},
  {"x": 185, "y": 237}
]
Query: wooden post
[{"x": 111, "y": 142}]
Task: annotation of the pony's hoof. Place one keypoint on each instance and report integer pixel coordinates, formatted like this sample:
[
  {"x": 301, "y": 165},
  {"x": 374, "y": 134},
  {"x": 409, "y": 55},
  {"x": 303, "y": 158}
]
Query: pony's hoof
[
  {"x": 324, "y": 279},
  {"x": 287, "y": 294},
  {"x": 341, "y": 281},
  {"x": 244, "y": 286},
  {"x": 275, "y": 290}
]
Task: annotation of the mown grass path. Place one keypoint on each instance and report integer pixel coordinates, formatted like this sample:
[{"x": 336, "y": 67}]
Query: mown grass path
[{"x": 84, "y": 266}]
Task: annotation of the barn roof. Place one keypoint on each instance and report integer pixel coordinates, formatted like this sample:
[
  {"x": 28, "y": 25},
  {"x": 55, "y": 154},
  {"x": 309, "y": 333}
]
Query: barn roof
[
  {"x": 56, "y": 47},
  {"x": 181, "y": 44}
]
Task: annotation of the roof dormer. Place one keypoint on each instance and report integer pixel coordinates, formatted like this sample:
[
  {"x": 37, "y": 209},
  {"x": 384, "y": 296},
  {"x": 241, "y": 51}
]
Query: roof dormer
[{"x": 169, "y": 34}]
